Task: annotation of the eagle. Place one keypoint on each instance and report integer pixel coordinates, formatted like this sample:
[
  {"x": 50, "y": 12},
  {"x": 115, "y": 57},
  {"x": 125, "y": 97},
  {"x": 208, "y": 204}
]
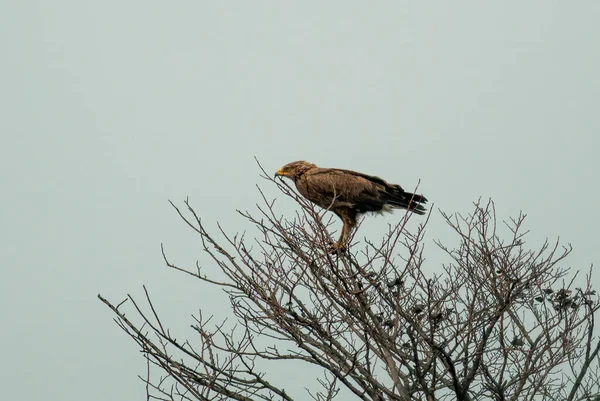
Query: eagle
[{"x": 349, "y": 194}]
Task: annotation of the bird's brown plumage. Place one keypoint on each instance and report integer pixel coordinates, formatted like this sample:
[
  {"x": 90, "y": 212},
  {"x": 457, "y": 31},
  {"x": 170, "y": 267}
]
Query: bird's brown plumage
[{"x": 349, "y": 193}]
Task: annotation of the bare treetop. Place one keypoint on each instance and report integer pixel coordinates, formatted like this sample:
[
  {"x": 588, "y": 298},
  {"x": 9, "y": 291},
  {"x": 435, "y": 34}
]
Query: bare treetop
[{"x": 497, "y": 321}]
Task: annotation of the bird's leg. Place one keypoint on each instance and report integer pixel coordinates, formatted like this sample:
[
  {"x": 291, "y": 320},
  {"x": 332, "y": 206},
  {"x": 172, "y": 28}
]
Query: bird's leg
[{"x": 342, "y": 243}]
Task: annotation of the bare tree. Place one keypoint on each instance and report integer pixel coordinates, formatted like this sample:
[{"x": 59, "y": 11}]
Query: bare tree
[{"x": 498, "y": 321}]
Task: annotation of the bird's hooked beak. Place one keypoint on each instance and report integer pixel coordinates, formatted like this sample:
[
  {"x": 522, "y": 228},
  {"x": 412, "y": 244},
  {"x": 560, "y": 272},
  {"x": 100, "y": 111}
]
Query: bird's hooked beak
[{"x": 280, "y": 173}]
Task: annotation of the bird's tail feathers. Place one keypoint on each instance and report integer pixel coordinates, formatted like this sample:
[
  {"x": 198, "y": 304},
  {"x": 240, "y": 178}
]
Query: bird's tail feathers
[
  {"x": 415, "y": 197},
  {"x": 407, "y": 200}
]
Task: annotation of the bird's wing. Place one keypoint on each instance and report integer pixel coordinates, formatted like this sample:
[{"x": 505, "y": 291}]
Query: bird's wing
[
  {"x": 344, "y": 185},
  {"x": 371, "y": 178}
]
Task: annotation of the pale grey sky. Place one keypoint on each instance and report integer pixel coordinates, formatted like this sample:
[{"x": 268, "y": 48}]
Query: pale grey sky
[{"x": 110, "y": 108}]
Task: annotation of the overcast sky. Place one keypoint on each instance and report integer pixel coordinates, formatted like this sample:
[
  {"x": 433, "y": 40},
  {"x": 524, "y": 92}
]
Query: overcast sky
[{"x": 109, "y": 108}]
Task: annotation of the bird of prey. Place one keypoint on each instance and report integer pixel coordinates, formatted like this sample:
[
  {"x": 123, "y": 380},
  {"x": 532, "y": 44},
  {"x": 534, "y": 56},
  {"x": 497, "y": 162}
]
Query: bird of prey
[{"x": 349, "y": 194}]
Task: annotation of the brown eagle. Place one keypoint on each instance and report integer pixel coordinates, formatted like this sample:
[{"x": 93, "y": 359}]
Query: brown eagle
[{"x": 349, "y": 194}]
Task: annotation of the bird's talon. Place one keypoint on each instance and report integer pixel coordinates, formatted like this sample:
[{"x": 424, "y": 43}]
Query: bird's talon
[{"x": 337, "y": 248}]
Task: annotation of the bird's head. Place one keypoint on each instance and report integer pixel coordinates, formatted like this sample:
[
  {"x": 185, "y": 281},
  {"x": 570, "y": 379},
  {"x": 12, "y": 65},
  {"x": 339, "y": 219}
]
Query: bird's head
[{"x": 294, "y": 170}]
